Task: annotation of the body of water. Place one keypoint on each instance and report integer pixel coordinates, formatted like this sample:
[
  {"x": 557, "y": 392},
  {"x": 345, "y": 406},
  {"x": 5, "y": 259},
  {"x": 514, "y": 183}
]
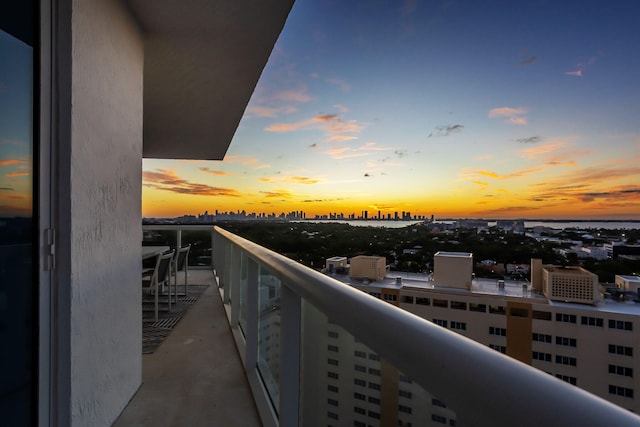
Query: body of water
[{"x": 583, "y": 225}]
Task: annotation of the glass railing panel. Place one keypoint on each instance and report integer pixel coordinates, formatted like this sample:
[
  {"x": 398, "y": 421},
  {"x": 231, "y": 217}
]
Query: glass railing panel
[
  {"x": 344, "y": 382},
  {"x": 200, "y": 241},
  {"x": 157, "y": 238},
  {"x": 268, "y": 359},
  {"x": 242, "y": 303}
]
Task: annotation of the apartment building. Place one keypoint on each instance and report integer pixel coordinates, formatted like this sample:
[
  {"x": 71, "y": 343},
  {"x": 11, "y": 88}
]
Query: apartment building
[{"x": 559, "y": 323}]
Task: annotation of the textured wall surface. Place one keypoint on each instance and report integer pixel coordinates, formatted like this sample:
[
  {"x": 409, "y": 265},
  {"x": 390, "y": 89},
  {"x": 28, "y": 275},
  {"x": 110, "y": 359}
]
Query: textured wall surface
[{"x": 106, "y": 178}]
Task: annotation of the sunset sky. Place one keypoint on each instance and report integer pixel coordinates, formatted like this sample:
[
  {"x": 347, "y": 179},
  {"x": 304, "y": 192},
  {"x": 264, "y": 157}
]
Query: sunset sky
[{"x": 495, "y": 109}]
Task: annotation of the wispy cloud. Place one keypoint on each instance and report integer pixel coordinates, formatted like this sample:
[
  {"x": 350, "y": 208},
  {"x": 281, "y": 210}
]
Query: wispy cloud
[
  {"x": 445, "y": 130},
  {"x": 9, "y": 162},
  {"x": 347, "y": 152},
  {"x": 17, "y": 174},
  {"x": 510, "y": 114},
  {"x": 576, "y": 73},
  {"x": 334, "y": 125},
  {"x": 292, "y": 179},
  {"x": 215, "y": 172},
  {"x": 528, "y": 61},
  {"x": 161, "y": 179},
  {"x": 277, "y": 194},
  {"x": 344, "y": 86},
  {"x": 530, "y": 140}
]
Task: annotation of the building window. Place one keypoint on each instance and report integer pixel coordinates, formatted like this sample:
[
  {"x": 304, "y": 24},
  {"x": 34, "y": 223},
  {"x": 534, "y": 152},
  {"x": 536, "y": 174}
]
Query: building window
[
  {"x": 333, "y": 375},
  {"x": 458, "y": 305},
  {"x": 568, "y": 342},
  {"x": 332, "y": 388},
  {"x": 459, "y": 325},
  {"x": 374, "y": 386},
  {"x": 502, "y": 349},
  {"x": 332, "y": 415},
  {"x": 373, "y": 371},
  {"x": 592, "y": 321},
  {"x": 407, "y": 299},
  {"x": 566, "y": 318},
  {"x": 332, "y": 334},
  {"x": 502, "y": 332},
  {"x": 440, "y": 322},
  {"x": 567, "y": 379},
  {"x": 359, "y": 424},
  {"x": 438, "y": 418},
  {"x": 538, "y": 355},
  {"x": 405, "y": 379},
  {"x": 332, "y": 402},
  {"x": 359, "y": 410},
  {"x": 360, "y": 354},
  {"x": 333, "y": 362},
  {"x": 621, "y": 350},
  {"x": 619, "y": 324},
  {"x": 541, "y": 315},
  {"x": 404, "y": 393},
  {"x": 390, "y": 297},
  {"x": 373, "y": 356},
  {"x": 566, "y": 360},
  {"x": 359, "y": 396},
  {"x": 621, "y": 370},
  {"x": 541, "y": 337},
  {"x": 358, "y": 381},
  {"x": 374, "y": 414},
  {"x": 621, "y": 391},
  {"x": 333, "y": 348},
  {"x": 482, "y": 308},
  {"x": 404, "y": 409},
  {"x": 519, "y": 312},
  {"x": 360, "y": 368},
  {"x": 374, "y": 400},
  {"x": 423, "y": 301},
  {"x": 440, "y": 303},
  {"x": 497, "y": 309},
  {"x": 436, "y": 402}
]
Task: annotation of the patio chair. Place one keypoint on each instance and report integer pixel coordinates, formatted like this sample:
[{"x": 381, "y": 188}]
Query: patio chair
[
  {"x": 159, "y": 277},
  {"x": 180, "y": 263}
]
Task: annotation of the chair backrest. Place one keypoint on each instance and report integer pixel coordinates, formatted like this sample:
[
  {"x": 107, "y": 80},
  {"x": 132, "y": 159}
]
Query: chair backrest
[
  {"x": 181, "y": 257},
  {"x": 162, "y": 269}
]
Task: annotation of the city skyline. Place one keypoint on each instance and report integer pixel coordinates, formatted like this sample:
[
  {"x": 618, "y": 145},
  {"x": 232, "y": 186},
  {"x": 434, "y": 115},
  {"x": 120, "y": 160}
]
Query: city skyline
[{"x": 451, "y": 108}]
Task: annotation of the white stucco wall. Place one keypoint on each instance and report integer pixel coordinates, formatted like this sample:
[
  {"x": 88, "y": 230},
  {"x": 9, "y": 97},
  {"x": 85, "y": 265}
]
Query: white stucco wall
[{"x": 105, "y": 218}]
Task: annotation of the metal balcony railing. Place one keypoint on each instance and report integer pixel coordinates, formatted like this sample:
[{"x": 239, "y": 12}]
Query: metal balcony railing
[{"x": 319, "y": 325}]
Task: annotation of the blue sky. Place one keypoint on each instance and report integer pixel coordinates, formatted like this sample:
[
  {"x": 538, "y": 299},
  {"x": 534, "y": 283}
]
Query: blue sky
[{"x": 453, "y": 108}]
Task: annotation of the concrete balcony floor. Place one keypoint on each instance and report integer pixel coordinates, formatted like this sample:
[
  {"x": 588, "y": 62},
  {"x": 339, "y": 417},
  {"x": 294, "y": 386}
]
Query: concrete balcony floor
[{"x": 195, "y": 377}]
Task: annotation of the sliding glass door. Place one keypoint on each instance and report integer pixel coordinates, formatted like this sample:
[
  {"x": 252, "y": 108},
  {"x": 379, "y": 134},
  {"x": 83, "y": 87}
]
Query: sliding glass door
[{"x": 18, "y": 227}]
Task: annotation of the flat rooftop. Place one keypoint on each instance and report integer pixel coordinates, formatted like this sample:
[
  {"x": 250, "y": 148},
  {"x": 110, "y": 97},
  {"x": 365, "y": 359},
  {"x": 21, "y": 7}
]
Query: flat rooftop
[
  {"x": 568, "y": 269},
  {"x": 480, "y": 287},
  {"x": 454, "y": 254}
]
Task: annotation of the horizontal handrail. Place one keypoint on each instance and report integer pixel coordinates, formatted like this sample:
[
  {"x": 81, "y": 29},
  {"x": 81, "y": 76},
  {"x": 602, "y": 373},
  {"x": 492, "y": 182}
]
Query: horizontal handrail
[{"x": 481, "y": 385}]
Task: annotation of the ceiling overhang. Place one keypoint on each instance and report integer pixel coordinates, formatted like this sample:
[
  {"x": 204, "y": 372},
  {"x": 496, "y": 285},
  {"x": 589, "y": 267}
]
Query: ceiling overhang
[{"x": 202, "y": 60}]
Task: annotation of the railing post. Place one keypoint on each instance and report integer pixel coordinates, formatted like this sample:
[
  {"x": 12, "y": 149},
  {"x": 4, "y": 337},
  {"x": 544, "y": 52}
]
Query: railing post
[
  {"x": 290, "y": 306},
  {"x": 233, "y": 281},
  {"x": 234, "y": 291},
  {"x": 251, "y": 348},
  {"x": 178, "y": 238}
]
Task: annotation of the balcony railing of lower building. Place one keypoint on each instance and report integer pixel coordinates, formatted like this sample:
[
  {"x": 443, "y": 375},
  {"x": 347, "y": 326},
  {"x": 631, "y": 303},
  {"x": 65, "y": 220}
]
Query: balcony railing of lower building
[{"x": 319, "y": 352}]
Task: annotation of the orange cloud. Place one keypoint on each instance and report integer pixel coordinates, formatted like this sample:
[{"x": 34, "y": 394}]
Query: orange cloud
[
  {"x": 333, "y": 124},
  {"x": 17, "y": 174},
  {"x": 10, "y": 162},
  {"x": 215, "y": 172},
  {"x": 281, "y": 194},
  {"x": 511, "y": 115},
  {"x": 170, "y": 181}
]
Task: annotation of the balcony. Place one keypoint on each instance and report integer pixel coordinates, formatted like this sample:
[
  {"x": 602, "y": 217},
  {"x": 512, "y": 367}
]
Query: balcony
[{"x": 313, "y": 351}]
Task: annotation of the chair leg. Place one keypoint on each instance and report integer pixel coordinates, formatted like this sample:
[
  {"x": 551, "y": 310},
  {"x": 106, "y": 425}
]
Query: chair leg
[{"x": 155, "y": 298}]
